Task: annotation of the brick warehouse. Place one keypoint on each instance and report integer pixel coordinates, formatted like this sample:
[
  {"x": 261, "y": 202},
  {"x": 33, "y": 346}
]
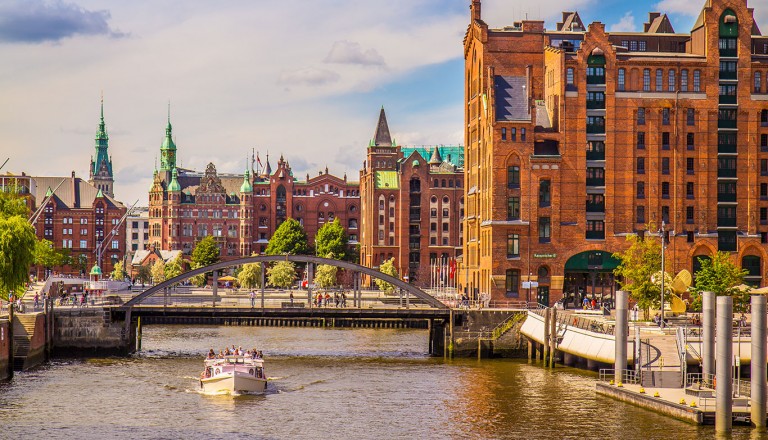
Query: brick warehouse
[
  {"x": 412, "y": 203},
  {"x": 577, "y": 137},
  {"x": 242, "y": 211}
]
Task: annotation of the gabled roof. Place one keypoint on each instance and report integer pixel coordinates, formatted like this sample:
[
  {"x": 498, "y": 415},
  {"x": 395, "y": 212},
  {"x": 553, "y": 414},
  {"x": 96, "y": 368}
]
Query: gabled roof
[
  {"x": 381, "y": 137},
  {"x": 571, "y": 21},
  {"x": 73, "y": 193},
  {"x": 658, "y": 24}
]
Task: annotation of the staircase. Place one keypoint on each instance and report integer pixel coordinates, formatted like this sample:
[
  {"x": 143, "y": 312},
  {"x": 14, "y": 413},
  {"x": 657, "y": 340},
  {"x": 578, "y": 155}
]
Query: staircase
[
  {"x": 660, "y": 365},
  {"x": 23, "y": 329}
]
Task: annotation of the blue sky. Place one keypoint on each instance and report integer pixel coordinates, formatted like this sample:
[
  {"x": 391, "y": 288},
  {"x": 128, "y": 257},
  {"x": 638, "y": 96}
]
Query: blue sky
[{"x": 293, "y": 77}]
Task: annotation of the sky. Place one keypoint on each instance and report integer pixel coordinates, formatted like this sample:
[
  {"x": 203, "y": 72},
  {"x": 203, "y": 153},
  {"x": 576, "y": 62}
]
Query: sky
[{"x": 302, "y": 79}]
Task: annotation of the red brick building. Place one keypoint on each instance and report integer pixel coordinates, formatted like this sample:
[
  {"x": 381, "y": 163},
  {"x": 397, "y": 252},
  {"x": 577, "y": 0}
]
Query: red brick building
[
  {"x": 577, "y": 137},
  {"x": 242, "y": 212},
  {"x": 412, "y": 202}
]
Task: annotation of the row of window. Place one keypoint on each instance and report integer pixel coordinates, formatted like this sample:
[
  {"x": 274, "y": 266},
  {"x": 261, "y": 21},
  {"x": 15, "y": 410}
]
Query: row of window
[
  {"x": 68, "y": 244},
  {"x": 673, "y": 82},
  {"x": 512, "y": 134}
]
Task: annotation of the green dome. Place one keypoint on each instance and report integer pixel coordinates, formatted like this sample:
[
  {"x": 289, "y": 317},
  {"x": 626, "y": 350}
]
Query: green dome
[
  {"x": 415, "y": 163},
  {"x": 174, "y": 185},
  {"x": 95, "y": 270},
  {"x": 246, "y": 186}
]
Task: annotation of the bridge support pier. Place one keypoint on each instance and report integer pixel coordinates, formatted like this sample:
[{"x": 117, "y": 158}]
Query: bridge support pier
[
  {"x": 724, "y": 365},
  {"x": 547, "y": 334},
  {"x": 437, "y": 337},
  {"x": 758, "y": 362},
  {"x": 215, "y": 286}
]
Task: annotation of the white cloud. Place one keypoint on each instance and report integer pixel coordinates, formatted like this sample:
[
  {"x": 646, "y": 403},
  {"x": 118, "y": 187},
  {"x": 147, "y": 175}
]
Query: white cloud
[
  {"x": 347, "y": 52},
  {"x": 684, "y": 7},
  {"x": 625, "y": 24},
  {"x": 311, "y": 76}
]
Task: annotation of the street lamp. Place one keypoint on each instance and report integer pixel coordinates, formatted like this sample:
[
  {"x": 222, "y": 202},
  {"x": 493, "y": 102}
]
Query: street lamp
[{"x": 663, "y": 274}]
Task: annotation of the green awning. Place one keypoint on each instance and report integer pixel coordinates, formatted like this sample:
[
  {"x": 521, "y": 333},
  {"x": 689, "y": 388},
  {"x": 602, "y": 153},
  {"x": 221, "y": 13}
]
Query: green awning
[{"x": 601, "y": 261}]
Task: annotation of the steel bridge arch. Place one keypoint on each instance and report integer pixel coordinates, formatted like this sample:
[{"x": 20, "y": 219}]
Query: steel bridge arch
[{"x": 434, "y": 302}]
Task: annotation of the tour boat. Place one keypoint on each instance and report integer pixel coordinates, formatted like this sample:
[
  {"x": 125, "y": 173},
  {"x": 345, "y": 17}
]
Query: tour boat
[{"x": 233, "y": 374}]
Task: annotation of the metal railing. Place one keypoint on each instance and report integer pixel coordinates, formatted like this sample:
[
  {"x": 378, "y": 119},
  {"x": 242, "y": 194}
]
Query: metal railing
[
  {"x": 627, "y": 376},
  {"x": 741, "y": 388}
]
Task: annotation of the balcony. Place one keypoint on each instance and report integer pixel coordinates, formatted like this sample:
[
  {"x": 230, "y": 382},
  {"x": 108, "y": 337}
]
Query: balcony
[
  {"x": 729, "y": 53},
  {"x": 595, "y": 155},
  {"x": 595, "y": 181},
  {"x": 728, "y": 75},
  {"x": 414, "y": 218},
  {"x": 595, "y": 207},
  {"x": 595, "y": 235},
  {"x": 595, "y": 79},
  {"x": 726, "y": 197},
  {"x": 726, "y": 222},
  {"x": 726, "y": 172}
]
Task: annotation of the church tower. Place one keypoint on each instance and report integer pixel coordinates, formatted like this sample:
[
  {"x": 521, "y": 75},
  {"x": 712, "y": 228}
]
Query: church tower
[
  {"x": 168, "y": 151},
  {"x": 100, "y": 174}
]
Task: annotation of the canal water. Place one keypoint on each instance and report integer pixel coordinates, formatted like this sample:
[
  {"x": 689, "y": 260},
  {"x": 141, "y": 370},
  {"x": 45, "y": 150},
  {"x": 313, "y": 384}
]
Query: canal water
[{"x": 325, "y": 384}]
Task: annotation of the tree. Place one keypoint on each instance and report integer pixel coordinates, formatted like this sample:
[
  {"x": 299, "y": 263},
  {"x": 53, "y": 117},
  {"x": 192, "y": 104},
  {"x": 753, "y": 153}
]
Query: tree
[
  {"x": 639, "y": 264},
  {"x": 281, "y": 274},
  {"x": 387, "y": 268},
  {"x": 720, "y": 275},
  {"x": 118, "y": 271},
  {"x": 326, "y": 274},
  {"x": 158, "y": 271},
  {"x": 175, "y": 267},
  {"x": 332, "y": 239},
  {"x": 250, "y": 276},
  {"x": 206, "y": 252},
  {"x": 289, "y": 238},
  {"x": 81, "y": 264},
  {"x": 47, "y": 256},
  {"x": 144, "y": 274},
  {"x": 17, "y": 244}
]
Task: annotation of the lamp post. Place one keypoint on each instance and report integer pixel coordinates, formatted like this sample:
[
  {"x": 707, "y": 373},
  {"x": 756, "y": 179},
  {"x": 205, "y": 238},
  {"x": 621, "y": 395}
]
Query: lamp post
[{"x": 663, "y": 245}]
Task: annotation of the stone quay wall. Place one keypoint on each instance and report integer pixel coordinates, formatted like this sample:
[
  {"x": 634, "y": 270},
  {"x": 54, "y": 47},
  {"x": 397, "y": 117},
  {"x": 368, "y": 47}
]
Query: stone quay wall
[
  {"x": 5, "y": 349},
  {"x": 90, "y": 331}
]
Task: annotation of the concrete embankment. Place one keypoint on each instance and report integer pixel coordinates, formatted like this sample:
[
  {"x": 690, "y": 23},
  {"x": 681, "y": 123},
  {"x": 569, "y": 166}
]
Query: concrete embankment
[
  {"x": 90, "y": 331},
  {"x": 488, "y": 333}
]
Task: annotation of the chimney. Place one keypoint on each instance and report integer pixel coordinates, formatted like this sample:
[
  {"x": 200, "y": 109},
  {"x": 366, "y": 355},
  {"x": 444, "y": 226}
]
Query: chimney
[{"x": 474, "y": 9}]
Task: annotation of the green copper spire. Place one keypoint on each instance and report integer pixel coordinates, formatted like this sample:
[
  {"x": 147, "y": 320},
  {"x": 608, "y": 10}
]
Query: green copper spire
[
  {"x": 246, "y": 186},
  {"x": 174, "y": 185},
  {"x": 101, "y": 166},
  {"x": 168, "y": 149}
]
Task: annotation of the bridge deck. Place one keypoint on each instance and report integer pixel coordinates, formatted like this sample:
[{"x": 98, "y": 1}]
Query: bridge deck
[{"x": 290, "y": 312}]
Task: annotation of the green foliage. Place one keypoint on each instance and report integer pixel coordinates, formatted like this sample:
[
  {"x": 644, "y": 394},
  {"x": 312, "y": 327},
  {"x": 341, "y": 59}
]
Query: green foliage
[
  {"x": 696, "y": 302},
  {"x": 175, "y": 267},
  {"x": 331, "y": 239},
  {"x": 289, "y": 238},
  {"x": 720, "y": 275},
  {"x": 249, "y": 276},
  {"x": 17, "y": 244},
  {"x": 158, "y": 271},
  {"x": 118, "y": 271},
  {"x": 144, "y": 274},
  {"x": 281, "y": 274},
  {"x": 47, "y": 256},
  {"x": 387, "y": 268},
  {"x": 206, "y": 252},
  {"x": 199, "y": 280},
  {"x": 638, "y": 264},
  {"x": 81, "y": 264},
  {"x": 325, "y": 276}
]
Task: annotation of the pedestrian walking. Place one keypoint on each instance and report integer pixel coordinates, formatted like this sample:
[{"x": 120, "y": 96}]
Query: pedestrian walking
[
  {"x": 37, "y": 301},
  {"x": 291, "y": 297},
  {"x": 253, "y": 298}
]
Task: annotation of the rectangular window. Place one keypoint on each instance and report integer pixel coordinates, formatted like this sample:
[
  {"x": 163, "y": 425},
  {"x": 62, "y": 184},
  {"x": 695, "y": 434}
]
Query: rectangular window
[
  {"x": 569, "y": 76},
  {"x": 764, "y": 167},
  {"x": 684, "y": 80},
  {"x": 665, "y": 214},
  {"x": 620, "y": 86},
  {"x": 764, "y": 216},
  {"x": 513, "y": 208},
  {"x": 640, "y": 214},
  {"x": 690, "y": 117},
  {"x": 696, "y": 81},
  {"x": 522, "y": 134},
  {"x": 640, "y": 165},
  {"x": 513, "y": 177},
  {"x": 764, "y": 142},
  {"x": 115, "y": 244},
  {"x": 633, "y": 46},
  {"x": 544, "y": 193},
  {"x": 544, "y": 230},
  {"x": 641, "y": 46},
  {"x": 664, "y": 190},
  {"x": 665, "y": 140},
  {"x": 689, "y": 165},
  {"x": 595, "y": 229},
  {"x": 641, "y": 116},
  {"x": 512, "y": 282},
  {"x": 503, "y": 134},
  {"x": 646, "y": 80},
  {"x": 665, "y": 116},
  {"x": 640, "y": 190},
  {"x": 83, "y": 244},
  {"x": 513, "y": 134},
  {"x": 640, "y": 140},
  {"x": 513, "y": 245},
  {"x": 664, "y": 165},
  {"x": 690, "y": 141},
  {"x": 764, "y": 191},
  {"x": 689, "y": 214},
  {"x": 689, "y": 190},
  {"x": 758, "y": 81},
  {"x": 659, "y": 80},
  {"x": 671, "y": 80}
]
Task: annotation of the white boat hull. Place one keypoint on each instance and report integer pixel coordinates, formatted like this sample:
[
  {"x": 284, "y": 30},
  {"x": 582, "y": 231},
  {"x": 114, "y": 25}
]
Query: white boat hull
[{"x": 233, "y": 383}]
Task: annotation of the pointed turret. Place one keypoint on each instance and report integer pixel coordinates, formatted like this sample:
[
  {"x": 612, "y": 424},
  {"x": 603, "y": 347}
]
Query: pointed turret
[
  {"x": 435, "y": 159},
  {"x": 268, "y": 168},
  {"x": 174, "y": 185},
  {"x": 100, "y": 172},
  {"x": 246, "y": 186},
  {"x": 381, "y": 137},
  {"x": 168, "y": 148}
]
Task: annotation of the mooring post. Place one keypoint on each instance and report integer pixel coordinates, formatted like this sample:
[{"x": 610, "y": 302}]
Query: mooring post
[
  {"x": 708, "y": 334},
  {"x": 215, "y": 286},
  {"x": 724, "y": 365},
  {"x": 10, "y": 339},
  {"x": 758, "y": 393},
  {"x": 530, "y": 350},
  {"x": 407, "y": 299},
  {"x": 621, "y": 334},
  {"x": 263, "y": 281},
  {"x": 552, "y": 337},
  {"x": 138, "y": 333},
  {"x": 546, "y": 336}
]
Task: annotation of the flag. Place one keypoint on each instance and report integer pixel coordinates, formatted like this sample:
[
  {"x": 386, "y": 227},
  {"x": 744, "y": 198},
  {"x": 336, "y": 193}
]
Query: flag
[
  {"x": 257, "y": 159},
  {"x": 453, "y": 268}
]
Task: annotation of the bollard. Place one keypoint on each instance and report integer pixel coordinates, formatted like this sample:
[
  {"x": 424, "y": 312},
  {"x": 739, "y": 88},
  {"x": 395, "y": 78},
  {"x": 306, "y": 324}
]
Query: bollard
[
  {"x": 724, "y": 360},
  {"x": 758, "y": 361},
  {"x": 621, "y": 334},
  {"x": 708, "y": 334},
  {"x": 138, "y": 334}
]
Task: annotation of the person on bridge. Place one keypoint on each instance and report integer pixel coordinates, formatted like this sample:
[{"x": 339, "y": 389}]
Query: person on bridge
[
  {"x": 253, "y": 298},
  {"x": 327, "y": 299},
  {"x": 291, "y": 298}
]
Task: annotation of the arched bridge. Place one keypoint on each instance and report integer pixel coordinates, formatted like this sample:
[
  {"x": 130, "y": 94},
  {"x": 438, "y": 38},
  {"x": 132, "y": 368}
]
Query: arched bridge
[{"x": 310, "y": 259}]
